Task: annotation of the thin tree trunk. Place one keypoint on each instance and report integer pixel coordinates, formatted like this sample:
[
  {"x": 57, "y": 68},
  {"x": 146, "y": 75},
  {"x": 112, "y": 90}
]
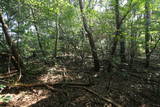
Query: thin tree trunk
[
  {"x": 57, "y": 35},
  {"x": 90, "y": 37},
  {"x": 119, "y": 22},
  {"x": 147, "y": 34},
  {"x": 115, "y": 41},
  {"x": 38, "y": 35},
  {"x": 134, "y": 35},
  {"x": 122, "y": 48},
  {"x": 132, "y": 48},
  {"x": 18, "y": 63},
  {"x": 39, "y": 41},
  {"x": 117, "y": 34}
]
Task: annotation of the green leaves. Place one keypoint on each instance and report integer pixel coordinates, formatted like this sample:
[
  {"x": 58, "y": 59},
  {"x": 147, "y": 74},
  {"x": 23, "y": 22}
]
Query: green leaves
[
  {"x": 91, "y": 13},
  {"x": 34, "y": 2},
  {"x": 2, "y": 86},
  {"x": 5, "y": 99}
]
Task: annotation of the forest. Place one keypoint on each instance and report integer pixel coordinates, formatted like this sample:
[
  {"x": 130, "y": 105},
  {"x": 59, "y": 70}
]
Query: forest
[{"x": 79, "y": 53}]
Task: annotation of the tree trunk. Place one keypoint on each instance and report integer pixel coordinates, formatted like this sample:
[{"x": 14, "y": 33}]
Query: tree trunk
[
  {"x": 133, "y": 45},
  {"x": 39, "y": 41},
  {"x": 147, "y": 34},
  {"x": 117, "y": 34},
  {"x": 115, "y": 40},
  {"x": 38, "y": 35},
  {"x": 90, "y": 37},
  {"x": 18, "y": 63},
  {"x": 122, "y": 49},
  {"x": 57, "y": 35}
]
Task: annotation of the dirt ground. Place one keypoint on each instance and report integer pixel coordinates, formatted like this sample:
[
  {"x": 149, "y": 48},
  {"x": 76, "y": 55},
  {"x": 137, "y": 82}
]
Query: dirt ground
[{"x": 129, "y": 87}]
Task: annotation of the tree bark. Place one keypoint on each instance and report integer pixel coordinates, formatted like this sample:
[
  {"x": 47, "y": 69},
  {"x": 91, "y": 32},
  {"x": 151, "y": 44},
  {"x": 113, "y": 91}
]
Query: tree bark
[
  {"x": 18, "y": 63},
  {"x": 115, "y": 40},
  {"x": 147, "y": 34},
  {"x": 122, "y": 49},
  {"x": 133, "y": 45},
  {"x": 90, "y": 37},
  {"x": 57, "y": 35},
  {"x": 119, "y": 22},
  {"x": 117, "y": 34}
]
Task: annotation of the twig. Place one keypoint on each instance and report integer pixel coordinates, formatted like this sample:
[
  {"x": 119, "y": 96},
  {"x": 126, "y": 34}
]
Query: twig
[
  {"x": 51, "y": 88},
  {"x": 100, "y": 96},
  {"x": 4, "y": 81},
  {"x": 7, "y": 75}
]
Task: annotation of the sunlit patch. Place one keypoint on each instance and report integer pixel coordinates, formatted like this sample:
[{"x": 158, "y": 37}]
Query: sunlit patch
[
  {"x": 26, "y": 98},
  {"x": 80, "y": 76},
  {"x": 123, "y": 2},
  {"x": 99, "y": 8},
  {"x": 51, "y": 78},
  {"x": 51, "y": 69},
  {"x": 157, "y": 74}
]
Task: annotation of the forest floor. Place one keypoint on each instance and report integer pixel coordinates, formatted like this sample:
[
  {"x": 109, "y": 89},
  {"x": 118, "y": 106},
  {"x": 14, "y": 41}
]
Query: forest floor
[{"x": 129, "y": 87}]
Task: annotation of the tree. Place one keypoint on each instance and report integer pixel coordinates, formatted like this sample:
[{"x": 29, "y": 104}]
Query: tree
[
  {"x": 147, "y": 34},
  {"x": 90, "y": 37},
  {"x": 118, "y": 33},
  {"x": 57, "y": 36},
  {"x": 18, "y": 63},
  {"x": 37, "y": 32}
]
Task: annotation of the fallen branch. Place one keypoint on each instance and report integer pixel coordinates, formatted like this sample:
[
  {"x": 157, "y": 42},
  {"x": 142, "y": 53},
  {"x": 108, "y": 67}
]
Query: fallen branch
[
  {"x": 50, "y": 88},
  {"x": 18, "y": 85},
  {"x": 3, "y": 81},
  {"x": 100, "y": 96},
  {"x": 7, "y": 75},
  {"x": 71, "y": 85}
]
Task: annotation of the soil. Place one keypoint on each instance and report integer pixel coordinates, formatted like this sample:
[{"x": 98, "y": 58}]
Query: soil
[{"x": 130, "y": 87}]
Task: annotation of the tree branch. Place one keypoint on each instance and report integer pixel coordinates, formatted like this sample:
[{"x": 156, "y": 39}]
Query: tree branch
[
  {"x": 126, "y": 14},
  {"x": 154, "y": 47}
]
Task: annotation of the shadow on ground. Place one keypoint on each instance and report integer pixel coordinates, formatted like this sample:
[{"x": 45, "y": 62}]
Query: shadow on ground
[{"x": 129, "y": 87}]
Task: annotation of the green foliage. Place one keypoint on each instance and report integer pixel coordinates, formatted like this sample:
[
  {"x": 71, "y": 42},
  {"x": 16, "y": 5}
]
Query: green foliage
[
  {"x": 102, "y": 24},
  {"x": 2, "y": 86},
  {"x": 5, "y": 99}
]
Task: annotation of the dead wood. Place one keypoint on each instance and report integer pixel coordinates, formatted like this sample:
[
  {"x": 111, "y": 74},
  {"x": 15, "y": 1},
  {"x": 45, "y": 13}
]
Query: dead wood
[
  {"x": 71, "y": 85},
  {"x": 98, "y": 95},
  {"x": 18, "y": 85},
  {"x": 8, "y": 75},
  {"x": 18, "y": 63}
]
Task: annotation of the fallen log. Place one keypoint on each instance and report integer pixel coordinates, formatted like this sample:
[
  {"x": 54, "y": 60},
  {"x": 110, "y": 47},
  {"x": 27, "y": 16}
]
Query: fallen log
[{"x": 18, "y": 85}]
